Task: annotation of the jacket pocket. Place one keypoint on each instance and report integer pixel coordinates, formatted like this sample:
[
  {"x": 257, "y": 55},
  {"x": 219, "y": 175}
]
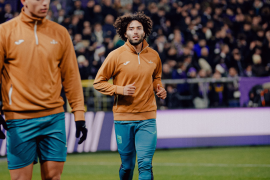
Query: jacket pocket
[{"x": 10, "y": 94}]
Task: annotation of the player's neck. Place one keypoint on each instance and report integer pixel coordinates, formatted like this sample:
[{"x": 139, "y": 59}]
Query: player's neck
[{"x": 139, "y": 47}]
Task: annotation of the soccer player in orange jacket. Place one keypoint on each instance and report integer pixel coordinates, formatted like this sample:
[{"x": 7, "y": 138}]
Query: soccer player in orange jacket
[
  {"x": 136, "y": 72},
  {"x": 36, "y": 58}
]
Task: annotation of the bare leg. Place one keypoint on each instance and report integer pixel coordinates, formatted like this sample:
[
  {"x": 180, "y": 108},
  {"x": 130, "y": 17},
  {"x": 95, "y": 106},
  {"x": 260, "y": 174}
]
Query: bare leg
[
  {"x": 51, "y": 170},
  {"x": 24, "y": 173}
]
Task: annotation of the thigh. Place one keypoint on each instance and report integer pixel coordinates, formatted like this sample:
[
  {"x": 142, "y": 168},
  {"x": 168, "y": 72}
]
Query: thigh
[
  {"x": 51, "y": 169},
  {"x": 52, "y": 145},
  {"x": 146, "y": 139},
  {"x": 21, "y": 144},
  {"x": 24, "y": 173},
  {"x": 125, "y": 142},
  {"x": 125, "y": 138}
]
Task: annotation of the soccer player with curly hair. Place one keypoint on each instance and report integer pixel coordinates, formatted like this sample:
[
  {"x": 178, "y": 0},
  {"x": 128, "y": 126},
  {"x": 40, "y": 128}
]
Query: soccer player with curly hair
[{"x": 136, "y": 71}]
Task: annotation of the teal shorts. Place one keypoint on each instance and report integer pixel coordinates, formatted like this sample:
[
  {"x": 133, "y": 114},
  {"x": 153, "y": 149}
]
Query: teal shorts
[{"x": 30, "y": 139}]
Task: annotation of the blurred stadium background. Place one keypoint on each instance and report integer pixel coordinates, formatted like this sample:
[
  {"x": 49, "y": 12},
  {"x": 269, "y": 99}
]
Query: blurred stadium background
[{"x": 216, "y": 67}]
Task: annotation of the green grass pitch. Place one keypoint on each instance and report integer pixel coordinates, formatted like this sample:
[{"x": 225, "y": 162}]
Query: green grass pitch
[{"x": 226, "y": 163}]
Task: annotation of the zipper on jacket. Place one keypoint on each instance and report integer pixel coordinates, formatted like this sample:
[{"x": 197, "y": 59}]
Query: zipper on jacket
[
  {"x": 35, "y": 29},
  {"x": 116, "y": 100},
  {"x": 139, "y": 60},
  {"x": 9, "y": 95}
]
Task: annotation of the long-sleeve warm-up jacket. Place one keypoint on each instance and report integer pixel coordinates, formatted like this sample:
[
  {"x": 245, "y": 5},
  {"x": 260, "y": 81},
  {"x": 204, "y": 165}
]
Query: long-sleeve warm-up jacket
[
  {"x": 127, "y": 66},
  {"x": 37, "y": 58}
]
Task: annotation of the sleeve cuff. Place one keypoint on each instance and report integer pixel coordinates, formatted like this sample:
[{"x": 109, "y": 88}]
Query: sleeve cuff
[
  {"x": 155, "y": 87},
  {"x": 119, "y": 90},
  {"x": 79, "y": 116}
]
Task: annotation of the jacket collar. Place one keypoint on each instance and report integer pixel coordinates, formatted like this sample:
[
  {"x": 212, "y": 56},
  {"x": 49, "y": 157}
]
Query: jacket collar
[
  {"x": 30, "y": 21},
  {"x": 132, "y": 48}
]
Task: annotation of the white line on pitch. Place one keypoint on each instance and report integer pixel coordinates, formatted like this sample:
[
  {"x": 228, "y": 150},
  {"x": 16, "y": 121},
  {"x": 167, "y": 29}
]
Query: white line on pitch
[
  {"x": 3, "y": 159},
  {"x": 174, "y": 164}
]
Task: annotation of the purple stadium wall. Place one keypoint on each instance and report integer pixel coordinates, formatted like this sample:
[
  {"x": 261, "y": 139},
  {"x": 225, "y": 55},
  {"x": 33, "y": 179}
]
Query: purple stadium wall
[{"x": 178, "y": 129}]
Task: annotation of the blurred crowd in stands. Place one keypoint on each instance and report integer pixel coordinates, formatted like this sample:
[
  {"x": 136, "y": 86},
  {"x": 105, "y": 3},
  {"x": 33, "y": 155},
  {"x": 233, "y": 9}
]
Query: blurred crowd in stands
[{"x": 194, "y": 38}]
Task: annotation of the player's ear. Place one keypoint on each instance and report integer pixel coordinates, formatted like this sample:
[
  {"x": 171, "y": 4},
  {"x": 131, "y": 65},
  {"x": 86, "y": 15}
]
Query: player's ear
[
  {"x": 24, "y": 2},
  {"x": 125, "y": 35}
]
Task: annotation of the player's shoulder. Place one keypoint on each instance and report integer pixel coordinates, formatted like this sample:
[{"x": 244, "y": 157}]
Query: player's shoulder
[
  {"x": 56, "y": 26},
  {"x": 118, "y": 51},
  {"x": 152, "y": 51},
  {"x": 11, "y": 24},
  {"x": 58, "y": 31},
  {"x": 114, "y": 55}
]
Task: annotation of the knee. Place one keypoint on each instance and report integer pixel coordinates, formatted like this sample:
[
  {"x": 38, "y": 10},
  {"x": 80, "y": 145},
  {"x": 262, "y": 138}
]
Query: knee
[
  {"x": 145, "y": 163},
  {"x": 53, "y": 177},
  {"x": 128, "y": 163},
  {"x": 19, "y": 178},
  {"x": 145, "y": 169},
  {"x": 127, "y": 167}
]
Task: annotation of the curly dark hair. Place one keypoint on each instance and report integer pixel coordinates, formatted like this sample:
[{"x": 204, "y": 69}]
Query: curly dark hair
[{"x": 122, "y": 22}]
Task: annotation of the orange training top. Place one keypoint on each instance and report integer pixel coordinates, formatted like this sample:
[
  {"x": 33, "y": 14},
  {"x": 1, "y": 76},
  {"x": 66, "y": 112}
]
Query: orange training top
[
  {"x": 36, "y": 58},
  {"x": 127, "y": 66}
]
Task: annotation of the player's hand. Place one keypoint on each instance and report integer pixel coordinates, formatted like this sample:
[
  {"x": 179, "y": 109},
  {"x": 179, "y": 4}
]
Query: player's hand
[
  {"x": 80, "y": 127},
  {"x": 129, "y": 90},
  {"x": 4, "y": 124},
  {"x": 161, "y": 92}
]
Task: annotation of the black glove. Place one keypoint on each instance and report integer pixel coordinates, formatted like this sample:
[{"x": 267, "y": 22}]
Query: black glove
[
  {"x": 4, "y": 124},
  {"x": 80, "y": 127}
]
